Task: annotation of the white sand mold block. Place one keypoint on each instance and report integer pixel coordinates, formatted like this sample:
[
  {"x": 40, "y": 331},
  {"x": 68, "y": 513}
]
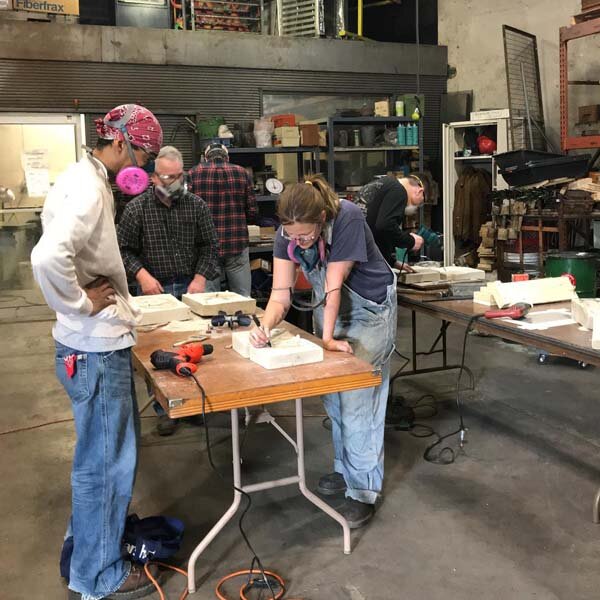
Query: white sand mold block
[
  {"x": 210, "y": 303},
  {"x": 160, "y": 308},
  {"x": 596, "y": 333},
  {"x": 585, "y": 310},
  {"x": 240, "y": 342},
  {"x": 287, "y": 352},
  {"x": 453, "y": 273},
  {"x": 533, "y": 291}
]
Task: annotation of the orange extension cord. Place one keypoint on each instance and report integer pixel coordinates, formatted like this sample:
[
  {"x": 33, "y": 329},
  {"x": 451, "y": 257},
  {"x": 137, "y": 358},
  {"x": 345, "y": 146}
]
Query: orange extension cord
[{"x": 218, "y": 592}]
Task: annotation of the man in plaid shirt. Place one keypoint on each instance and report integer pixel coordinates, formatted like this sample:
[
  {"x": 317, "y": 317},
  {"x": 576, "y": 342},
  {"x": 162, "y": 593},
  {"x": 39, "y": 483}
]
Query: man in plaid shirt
[
  {"x": 166, "y": 235},
  {"x": 227, "y": 189}
]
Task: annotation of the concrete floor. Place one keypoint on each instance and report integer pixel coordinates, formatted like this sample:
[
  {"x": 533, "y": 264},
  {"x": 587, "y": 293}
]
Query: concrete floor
[{"x": 511, "y": 519}]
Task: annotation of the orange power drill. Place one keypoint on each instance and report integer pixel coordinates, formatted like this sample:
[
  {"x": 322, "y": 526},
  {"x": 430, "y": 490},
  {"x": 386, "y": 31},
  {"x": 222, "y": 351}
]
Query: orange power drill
[{"x": 183, "y": 362}]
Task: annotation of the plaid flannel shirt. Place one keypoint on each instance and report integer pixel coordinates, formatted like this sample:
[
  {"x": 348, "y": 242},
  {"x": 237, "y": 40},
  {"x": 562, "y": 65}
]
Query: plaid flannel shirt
[
  {"x": 171, "y": 243},
  {"x": 227, "y": 190}
]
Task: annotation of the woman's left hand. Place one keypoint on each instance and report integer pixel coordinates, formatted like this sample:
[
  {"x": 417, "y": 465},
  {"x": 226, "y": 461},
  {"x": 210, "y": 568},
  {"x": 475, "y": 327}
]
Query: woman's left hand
[{"x": 338, "y": 346}]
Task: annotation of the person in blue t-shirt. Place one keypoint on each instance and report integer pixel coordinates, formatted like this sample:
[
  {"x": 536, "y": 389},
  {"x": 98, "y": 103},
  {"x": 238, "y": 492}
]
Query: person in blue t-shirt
[{"x": 354, "y": 311}]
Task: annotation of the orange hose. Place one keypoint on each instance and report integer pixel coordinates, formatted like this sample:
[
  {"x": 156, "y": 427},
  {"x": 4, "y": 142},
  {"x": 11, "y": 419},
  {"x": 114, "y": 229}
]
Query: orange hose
[
  {"x": 220, "y": 596},
  {"x": 185, "y": 592},
  {"x": 243, "y": 588}
]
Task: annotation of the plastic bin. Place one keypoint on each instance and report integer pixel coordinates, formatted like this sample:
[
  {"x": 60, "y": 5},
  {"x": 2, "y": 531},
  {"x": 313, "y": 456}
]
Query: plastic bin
[{"x": 524, "y": 167}]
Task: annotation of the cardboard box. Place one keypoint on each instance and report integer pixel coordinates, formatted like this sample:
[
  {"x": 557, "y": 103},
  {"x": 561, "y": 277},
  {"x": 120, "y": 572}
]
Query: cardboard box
[
  {"x": 261, "y": 264},
  {"x": 56, "y": 7},
  {"x": 589, "y": 114},
  {"x": 382, "y": 108},
  {"x": 287, "y": 136},
  {"x": 309, "y": 135}
]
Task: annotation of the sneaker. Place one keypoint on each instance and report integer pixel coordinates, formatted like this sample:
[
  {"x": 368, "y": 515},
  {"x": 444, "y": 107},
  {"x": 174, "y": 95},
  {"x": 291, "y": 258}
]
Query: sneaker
[
  {"x": 356, "y": 513},
  {"x": 331, "y": 484},
  {"x": 137, "y": 585},
  {"x": 166, "y": 425}
]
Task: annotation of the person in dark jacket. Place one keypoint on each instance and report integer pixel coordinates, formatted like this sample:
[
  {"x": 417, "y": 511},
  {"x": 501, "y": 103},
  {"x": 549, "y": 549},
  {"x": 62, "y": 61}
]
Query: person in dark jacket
[{"x": 385, "y": 201}]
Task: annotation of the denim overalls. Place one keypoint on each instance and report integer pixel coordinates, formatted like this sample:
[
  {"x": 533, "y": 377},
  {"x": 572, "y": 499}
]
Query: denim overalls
[{"x": 358, "y": 416}]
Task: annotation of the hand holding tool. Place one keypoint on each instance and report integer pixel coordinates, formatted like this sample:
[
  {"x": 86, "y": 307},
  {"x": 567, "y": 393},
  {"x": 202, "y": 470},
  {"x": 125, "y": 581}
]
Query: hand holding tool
[
  {"x": 516, "y": 311},
  {"x": 257, "y": 323},
  {"x": 183, "y": 362}
]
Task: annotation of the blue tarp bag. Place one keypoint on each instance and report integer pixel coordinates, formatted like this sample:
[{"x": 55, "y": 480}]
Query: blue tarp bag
[{"x": 152, "y": 538}]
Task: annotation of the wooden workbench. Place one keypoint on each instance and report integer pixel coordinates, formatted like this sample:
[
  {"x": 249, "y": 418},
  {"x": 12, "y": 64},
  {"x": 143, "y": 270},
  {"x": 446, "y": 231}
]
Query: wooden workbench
[
  {"x": 569, "y": 341},
  {"x": 232, "y": 382}
]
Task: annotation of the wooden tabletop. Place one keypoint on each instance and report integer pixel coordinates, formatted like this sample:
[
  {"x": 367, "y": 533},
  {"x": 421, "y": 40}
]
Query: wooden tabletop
[
  {"x": 231, "y": 381},
  {"x": 570, "y": 341}
]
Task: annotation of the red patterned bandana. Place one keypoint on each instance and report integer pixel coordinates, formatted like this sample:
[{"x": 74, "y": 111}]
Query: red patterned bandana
[{"x": 143, "y": 128}]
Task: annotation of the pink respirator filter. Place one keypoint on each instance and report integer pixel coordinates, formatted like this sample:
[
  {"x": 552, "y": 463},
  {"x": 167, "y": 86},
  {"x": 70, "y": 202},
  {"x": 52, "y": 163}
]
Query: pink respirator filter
[{"x": 132, "y": 180}]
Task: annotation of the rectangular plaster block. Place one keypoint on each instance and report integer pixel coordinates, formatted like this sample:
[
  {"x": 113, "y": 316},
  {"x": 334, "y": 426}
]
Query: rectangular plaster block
[
  {"x": 461, "y": 274},
  {"x": 240, "y": 341},
  {"x": 596, "y": 333},
  {"x": 160, "y": 308},
  {"x": 210, "y": 303},
  {"x": 534, "y": 291},
  {"x": 286, "y": 351},
  {"x": 584, "y": 310}
]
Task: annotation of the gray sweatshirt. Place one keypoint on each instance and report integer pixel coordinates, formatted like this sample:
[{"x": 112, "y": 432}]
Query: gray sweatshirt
[{"x": 78, "y": 245}]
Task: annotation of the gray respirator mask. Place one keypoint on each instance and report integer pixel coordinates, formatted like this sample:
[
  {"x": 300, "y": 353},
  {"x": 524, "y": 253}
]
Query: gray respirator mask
[{"x": 167, "y": 193}]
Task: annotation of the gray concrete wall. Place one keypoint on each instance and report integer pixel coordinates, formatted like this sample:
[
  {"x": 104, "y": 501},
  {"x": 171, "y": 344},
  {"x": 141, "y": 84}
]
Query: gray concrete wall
[
  {"x": 472, "y": 31},
  {"x": 51, "y": 41}
]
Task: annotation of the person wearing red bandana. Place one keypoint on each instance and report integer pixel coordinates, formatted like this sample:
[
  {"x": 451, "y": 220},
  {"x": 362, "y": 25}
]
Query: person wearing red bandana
[{"x": 78, "y": 266}]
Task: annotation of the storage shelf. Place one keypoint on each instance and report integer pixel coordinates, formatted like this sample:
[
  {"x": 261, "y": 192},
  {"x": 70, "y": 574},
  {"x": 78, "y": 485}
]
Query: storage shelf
[
  {"x": 368, "y": 120},
  {"x": 260, "y": 249},
  {"x": 274, "y": 150},
  {"x": 372, "y": 148},
  {"x": 581, "y": 142},
  {"x": 475, "y": 158}
]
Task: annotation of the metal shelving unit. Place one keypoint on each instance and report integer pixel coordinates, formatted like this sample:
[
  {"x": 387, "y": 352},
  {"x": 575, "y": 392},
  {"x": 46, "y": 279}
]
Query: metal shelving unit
[
  {"x": 574, "y": 32},
  {"x": 333, "y": 122},
  {"x": 263, "y": 248}
]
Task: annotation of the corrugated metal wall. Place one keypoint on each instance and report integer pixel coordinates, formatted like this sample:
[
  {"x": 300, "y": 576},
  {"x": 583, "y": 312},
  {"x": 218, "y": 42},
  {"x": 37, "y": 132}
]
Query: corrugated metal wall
[{"x": 173, "y": 91}]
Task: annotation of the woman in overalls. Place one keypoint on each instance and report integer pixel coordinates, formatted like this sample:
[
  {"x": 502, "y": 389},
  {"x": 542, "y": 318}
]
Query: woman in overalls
[{"x": 354, "y": 311}]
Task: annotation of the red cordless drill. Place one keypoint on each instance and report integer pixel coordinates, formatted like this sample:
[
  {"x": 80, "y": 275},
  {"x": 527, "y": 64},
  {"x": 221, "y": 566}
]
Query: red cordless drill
[
  {"x": 516, "y": 311},
  {"x": 183, "y": 362}
]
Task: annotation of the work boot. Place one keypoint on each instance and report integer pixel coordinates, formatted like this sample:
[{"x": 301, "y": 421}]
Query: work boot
[
  {"x": 356, "y": 513},
  {"x": 166, "y": 425},
  {"x": 137, "y": 585},
  {"x": 331, "y": 484}
]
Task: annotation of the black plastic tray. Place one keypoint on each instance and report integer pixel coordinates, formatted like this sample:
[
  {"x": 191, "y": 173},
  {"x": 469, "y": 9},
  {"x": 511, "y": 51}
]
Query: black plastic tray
[{"x": 524, "y": 167}]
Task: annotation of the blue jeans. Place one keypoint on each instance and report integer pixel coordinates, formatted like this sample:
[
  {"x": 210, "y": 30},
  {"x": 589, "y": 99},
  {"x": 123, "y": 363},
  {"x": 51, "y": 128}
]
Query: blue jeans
[
  {"x": 358, "y": 416},
  {"x": 106, "y": 418},
  {"x": 234, "y": 275}
]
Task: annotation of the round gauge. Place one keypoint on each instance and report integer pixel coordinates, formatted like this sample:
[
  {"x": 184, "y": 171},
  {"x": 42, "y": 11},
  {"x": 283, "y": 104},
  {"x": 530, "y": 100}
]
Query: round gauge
[{"x": 274, "y": 185}]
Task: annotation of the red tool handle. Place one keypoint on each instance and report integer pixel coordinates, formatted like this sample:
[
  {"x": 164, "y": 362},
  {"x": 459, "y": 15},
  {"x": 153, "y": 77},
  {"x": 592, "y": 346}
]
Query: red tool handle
[{"x": 512, "y": 313}]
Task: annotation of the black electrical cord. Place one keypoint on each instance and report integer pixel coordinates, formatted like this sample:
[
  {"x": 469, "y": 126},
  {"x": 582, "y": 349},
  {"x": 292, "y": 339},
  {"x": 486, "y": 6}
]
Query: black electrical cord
[
  {"x": 447, "y": 455},
  {"x": 255, "y": 558}
]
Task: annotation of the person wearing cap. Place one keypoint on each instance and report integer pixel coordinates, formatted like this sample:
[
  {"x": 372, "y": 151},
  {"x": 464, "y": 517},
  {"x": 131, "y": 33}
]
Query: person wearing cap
[
  {"x": 385, "y": 201},
  {"x": 78, "y": 266},
  {"x": 354, "y": 310},
  {"x": 168, "y": 242},
  {"x": 227, "y": 190}
]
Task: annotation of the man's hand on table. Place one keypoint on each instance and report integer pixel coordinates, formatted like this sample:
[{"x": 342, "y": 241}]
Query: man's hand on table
[{"x": 197, "y": 285}]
